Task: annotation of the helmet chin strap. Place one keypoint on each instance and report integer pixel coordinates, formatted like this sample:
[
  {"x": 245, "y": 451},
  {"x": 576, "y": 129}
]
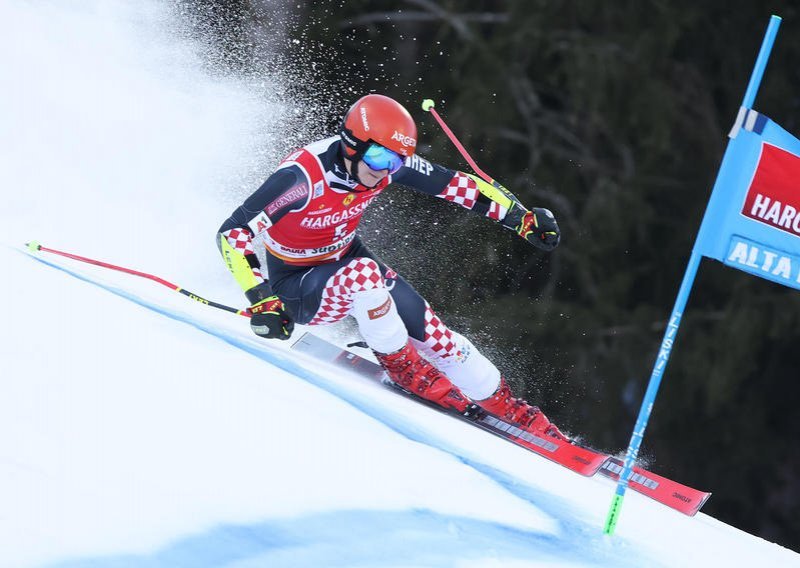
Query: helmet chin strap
[
  {"x": 353, "y": 161},
  {"x": 353, "y": 169}
]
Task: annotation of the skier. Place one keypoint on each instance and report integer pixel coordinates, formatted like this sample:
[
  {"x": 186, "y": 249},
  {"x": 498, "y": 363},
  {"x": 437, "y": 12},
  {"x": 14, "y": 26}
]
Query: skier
[{"x": 307, "y": 212}]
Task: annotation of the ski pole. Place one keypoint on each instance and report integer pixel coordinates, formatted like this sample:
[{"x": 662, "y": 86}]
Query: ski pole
[
  {"x": 34, "y": 247},
  {"x": 428, "y": 106}
]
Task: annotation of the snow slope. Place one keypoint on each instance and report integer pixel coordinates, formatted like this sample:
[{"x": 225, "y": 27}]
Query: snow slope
[{"x": 139, "y": 428}]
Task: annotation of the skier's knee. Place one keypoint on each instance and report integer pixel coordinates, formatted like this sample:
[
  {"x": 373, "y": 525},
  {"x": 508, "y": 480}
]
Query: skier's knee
[
  {"x": 361, "y": 274},
  {"x": 378, "y": 321}
]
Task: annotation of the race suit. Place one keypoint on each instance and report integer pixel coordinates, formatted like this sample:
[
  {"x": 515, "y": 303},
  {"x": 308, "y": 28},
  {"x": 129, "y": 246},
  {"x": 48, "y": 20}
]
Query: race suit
[{"x": 306, "y": 215}]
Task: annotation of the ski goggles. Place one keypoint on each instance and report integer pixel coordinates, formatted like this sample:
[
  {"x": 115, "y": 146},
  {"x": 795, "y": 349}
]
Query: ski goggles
[{"x": 379, "y": 158}]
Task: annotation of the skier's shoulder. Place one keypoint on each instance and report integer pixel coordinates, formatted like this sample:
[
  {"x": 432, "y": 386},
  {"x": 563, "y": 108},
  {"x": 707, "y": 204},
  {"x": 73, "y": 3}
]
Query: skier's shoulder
[
  {"x": 418, "y": 164},
  {"x": 320, "y": 149},
  {"x": 423, "y": 175},
  {"x": 320, "y": 153},
  {"x": 324, "y": 147}
]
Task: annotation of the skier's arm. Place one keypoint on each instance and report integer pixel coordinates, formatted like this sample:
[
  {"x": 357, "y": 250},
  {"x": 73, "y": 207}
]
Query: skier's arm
[
  {"x": 283, "y": 191},
  {"x": 450, "y": 185},
  {"x": 537, "y": 226}
]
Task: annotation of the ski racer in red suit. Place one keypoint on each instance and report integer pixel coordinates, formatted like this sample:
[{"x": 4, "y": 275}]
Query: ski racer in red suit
[{"x": 306, "y": 215}]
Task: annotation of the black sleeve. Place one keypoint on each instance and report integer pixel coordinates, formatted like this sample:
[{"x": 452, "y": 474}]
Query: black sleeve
[
  {"x": 424, "y": 176},
  {"x": 285, "y": 190},
  {"x": 439, "y": 181}
]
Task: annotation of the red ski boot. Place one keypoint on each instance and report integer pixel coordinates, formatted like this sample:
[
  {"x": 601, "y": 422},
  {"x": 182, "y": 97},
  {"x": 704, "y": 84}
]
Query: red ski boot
[
  {"x": 516, "y": 410},
  {"x": 415, "y": 374}
]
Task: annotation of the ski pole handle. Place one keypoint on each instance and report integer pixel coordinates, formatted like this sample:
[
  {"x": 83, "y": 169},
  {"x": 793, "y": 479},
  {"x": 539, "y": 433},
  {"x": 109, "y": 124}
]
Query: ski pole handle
[{"x": 34, "y": 247}]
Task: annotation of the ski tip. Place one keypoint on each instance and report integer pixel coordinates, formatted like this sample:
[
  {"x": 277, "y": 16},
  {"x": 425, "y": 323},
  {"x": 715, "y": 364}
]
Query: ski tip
[
  {"x": 427, "y": 105},
  {"x": 33, "y": 246}
]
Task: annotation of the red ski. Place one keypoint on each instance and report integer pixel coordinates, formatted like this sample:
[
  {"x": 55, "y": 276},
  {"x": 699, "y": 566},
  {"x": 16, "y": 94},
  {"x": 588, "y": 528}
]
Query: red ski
[
  {"x": 671, "y": 493},
  {"x": 579, "y": 459}
]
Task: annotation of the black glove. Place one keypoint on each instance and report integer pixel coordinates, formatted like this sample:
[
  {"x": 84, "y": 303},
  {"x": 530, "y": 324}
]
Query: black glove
[
  {"x": 270, "y": 318},
  {"x": 537, "y": 226}
]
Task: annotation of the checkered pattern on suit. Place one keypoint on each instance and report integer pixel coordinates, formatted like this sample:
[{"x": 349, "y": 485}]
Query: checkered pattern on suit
[
  {"x": 496, "y": 211},
  {"x": 462, "y": 190},
  {"x": 337, "y": 297},
  {"x": 439, "y": 340},
  {"x": 240, "y": 240}
]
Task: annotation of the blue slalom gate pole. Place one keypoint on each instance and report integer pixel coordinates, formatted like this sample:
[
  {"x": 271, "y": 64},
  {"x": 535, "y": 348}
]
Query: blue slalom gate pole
[
  {"x": 761, "y": 62},
  {"x": 671, "y": 332},
  {"x": 652, "y": 390}
]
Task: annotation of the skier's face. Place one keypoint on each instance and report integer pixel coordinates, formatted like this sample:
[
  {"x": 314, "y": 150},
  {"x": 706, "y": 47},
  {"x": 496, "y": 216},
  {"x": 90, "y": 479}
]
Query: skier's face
[
  {"x": 368, "y": 176},
  {"x": 376, "y": 163},
  {"x": 380, "y": 158}
]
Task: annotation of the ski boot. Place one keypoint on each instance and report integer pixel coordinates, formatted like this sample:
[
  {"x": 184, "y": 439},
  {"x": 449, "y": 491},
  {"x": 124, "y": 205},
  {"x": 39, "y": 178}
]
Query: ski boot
[
  {"x": 406, "y": 368},
  {"x": 519, "y": 412}
]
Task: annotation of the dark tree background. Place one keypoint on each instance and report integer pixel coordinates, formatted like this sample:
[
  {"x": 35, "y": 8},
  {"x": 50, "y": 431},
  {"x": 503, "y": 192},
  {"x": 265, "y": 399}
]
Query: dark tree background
[{"x": 614, "y": 115}]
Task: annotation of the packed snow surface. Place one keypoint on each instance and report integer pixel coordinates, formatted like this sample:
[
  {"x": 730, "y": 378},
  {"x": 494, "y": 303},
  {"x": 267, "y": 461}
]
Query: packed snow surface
[{"x": 140, "y": 428}]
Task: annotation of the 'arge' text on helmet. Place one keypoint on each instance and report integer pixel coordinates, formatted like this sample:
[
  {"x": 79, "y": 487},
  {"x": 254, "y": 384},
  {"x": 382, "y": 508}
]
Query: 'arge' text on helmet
[{"x": 403, "y": 139}]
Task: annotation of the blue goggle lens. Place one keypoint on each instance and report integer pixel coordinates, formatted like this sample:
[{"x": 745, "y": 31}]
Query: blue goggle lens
[{"x": 379, "y": 158}]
